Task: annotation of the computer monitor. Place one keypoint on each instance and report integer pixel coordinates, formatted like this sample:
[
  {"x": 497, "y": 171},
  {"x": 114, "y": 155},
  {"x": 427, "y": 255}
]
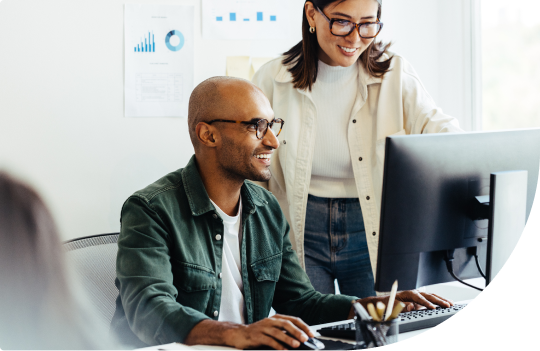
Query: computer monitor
[{"x": 429, "y": 199}]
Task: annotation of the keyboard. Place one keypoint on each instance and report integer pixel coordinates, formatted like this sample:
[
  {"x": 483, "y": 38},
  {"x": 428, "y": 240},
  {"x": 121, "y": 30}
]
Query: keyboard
[{"x": 408, "y": 321}]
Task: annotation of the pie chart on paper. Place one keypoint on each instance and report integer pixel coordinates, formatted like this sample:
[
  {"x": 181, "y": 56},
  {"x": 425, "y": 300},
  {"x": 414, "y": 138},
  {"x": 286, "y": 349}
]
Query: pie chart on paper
[{"x": 168, "y": 40}]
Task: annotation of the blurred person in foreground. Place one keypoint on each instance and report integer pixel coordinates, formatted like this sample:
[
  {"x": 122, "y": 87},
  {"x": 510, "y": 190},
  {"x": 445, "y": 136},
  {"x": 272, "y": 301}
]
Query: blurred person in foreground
[{"x": 39, "y": 307}]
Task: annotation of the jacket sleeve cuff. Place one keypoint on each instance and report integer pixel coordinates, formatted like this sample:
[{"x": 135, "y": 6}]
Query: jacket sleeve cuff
[{"x": 340, "y": 307}]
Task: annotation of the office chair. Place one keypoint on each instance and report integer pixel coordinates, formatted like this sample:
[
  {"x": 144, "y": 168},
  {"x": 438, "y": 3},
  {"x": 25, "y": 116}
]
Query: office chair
[{"x": 93, "y": 260}]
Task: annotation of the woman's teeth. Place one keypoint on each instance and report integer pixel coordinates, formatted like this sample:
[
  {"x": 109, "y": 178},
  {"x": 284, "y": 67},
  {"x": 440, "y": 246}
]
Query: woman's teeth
[
  {"x": 347, "y": 49},
  {"x": 264, "y": 156}
]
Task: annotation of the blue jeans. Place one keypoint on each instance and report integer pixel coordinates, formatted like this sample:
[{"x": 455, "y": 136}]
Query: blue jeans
[{"x": 336, "y": 248}]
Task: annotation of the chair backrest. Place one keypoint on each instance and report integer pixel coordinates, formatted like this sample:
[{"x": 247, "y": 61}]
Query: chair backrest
[{"x": 93, "y": 259}]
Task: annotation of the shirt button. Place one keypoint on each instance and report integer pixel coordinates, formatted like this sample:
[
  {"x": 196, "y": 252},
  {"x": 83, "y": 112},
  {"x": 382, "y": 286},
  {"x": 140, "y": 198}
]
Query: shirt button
[
  {"x": 215, "y": 216},
  {"x": 218, "y": 237},
  {"x": 216, "y": 313},
  {"x": 354, "y": 121},
  {"x": 367, "y": 197},
  {"x": 284, "y": 142},
  {"x": 374, "y": 233},
  {"x": 220, "y": 275},
  {"x": 360, "y": 159}
]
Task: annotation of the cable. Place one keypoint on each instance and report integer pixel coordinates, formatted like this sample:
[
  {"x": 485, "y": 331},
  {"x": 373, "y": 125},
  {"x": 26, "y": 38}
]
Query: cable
[
  {"x": 449, "y": 259},
  {"x": 478, "y": 265},
  {"x": 474, "y": 251}
]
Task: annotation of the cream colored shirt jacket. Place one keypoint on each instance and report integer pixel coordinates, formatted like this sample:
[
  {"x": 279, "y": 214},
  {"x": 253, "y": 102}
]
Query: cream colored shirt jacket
[{"x": 396, "y": 104}]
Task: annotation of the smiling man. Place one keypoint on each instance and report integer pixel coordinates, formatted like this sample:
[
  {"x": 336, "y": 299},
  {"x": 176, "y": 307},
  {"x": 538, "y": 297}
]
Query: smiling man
[{"x": 204, "y": 253}]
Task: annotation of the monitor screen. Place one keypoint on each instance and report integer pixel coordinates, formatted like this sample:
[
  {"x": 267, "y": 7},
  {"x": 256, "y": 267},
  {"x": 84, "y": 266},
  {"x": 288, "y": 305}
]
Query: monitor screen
[{"x": 429, "y": 189}]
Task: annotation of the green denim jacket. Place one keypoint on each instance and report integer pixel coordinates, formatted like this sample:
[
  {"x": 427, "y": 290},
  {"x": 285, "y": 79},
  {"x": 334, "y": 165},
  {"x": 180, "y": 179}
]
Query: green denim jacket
[{"x": 169, "y": 260}]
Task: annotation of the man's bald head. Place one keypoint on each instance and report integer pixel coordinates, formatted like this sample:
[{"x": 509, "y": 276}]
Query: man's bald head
[{"x": 219, "y": 98}]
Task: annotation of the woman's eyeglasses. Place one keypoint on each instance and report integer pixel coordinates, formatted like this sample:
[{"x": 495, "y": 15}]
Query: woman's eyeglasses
[
  {"x": 342, "y": 28},
  {"x": 261, "y": 126}
]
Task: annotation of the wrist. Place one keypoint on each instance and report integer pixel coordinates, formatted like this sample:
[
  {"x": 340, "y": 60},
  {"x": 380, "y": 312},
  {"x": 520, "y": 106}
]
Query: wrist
[
  {"x": 210, "y": 332},
  {"x": 231, "y": 333}
]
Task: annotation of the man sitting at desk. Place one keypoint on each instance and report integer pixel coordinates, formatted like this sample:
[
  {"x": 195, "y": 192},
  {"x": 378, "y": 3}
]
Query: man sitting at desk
[{"x": 204, "y": 254}]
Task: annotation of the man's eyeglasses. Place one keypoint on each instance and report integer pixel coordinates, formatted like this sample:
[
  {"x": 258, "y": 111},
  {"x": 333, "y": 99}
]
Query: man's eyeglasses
[
  {"x": 342, "y": 28},
  {"x": 261, "y": 126}
]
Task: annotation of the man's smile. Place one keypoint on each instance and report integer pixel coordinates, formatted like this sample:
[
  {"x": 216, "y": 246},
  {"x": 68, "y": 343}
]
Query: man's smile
[{"x": 264, "y": 158}]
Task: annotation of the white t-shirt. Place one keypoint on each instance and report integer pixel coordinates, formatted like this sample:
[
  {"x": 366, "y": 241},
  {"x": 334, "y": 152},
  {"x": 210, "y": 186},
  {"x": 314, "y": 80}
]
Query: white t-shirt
[{"x": 232, "y": 304}]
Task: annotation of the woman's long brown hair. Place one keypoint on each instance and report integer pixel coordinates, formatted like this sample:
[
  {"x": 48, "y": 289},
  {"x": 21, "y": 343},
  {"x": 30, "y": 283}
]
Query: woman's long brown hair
[{"x": 303, "y": 60}]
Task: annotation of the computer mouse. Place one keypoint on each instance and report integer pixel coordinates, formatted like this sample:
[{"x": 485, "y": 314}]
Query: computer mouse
[{"x": 311, "y": 344}]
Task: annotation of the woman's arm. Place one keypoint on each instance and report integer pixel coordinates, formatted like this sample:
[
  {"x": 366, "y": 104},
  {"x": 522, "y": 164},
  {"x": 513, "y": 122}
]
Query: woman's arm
[{"x": 421, "y": 114}]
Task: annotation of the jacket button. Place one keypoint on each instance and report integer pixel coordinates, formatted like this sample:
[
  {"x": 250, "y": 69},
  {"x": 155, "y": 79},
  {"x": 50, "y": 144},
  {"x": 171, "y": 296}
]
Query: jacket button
[
  {"x": 354, "y": 121},
  {"x": 360, "y": 159},
  {"x": 216, "y": 313},
  {"x": 220, "y": 275},
  {"x": 218, "y": 237},
  {"x": 215, "y": 216},
  {"x": 374, "y": 233},
  {"x": 367, "y": 197}
]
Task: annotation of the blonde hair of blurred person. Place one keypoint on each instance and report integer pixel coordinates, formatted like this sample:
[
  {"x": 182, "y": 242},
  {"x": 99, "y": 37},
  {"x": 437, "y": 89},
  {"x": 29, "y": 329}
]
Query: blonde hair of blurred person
[{"x": 38, "y": 306}]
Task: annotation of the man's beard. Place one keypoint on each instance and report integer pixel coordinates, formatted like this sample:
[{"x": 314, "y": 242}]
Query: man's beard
[{"x": 238, "y": 166}]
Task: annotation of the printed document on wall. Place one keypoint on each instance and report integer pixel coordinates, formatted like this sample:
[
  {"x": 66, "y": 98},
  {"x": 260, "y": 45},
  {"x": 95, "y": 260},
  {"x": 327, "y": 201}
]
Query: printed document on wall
[
  {"x": 158, "y": 45},
  {"x": 245, "y": 19}
]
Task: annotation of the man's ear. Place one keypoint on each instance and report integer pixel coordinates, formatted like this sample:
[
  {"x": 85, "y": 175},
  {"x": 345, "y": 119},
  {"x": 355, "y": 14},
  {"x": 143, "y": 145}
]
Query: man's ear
[{"x": 206, "y": 134}]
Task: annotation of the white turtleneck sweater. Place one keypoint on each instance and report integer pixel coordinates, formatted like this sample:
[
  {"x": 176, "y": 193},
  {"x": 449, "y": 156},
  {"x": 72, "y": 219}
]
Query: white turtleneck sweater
[{"x": 334, "y": 94}]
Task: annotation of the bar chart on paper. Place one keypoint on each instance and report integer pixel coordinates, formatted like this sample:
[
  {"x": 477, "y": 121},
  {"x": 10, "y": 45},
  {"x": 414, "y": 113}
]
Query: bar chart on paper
[
  {"x": 245, "y": 19},
  {"x": 147, "y": 44},
  {"x": 258, "y": 16}
]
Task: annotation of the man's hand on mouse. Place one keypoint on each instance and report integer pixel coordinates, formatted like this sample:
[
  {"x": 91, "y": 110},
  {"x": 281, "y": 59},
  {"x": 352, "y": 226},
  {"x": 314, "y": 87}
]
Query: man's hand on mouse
[
  {"x": 413, "y": 299},
  {"x": 270, "y": 332}
]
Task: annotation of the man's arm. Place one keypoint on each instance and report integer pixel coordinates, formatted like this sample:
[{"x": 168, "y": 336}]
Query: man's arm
[
  {"x": 146, "y": 279},
  {"x": 294, "y": 294}
]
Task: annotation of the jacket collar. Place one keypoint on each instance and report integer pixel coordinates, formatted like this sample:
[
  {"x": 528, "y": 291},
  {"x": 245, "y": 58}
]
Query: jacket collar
[
  {"x": 364, "y": 78},
  {"x": 198, "y": 199}
]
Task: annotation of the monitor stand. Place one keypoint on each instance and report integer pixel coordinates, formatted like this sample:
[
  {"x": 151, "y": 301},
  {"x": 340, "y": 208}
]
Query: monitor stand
[{"x": 507, "y": 217}]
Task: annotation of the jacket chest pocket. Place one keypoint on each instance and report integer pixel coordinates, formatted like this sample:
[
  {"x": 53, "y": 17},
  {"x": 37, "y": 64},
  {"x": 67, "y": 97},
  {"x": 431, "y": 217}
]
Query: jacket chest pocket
[
  {"x": 266, "y": 274},
  {"x": 195, "y": 285}
]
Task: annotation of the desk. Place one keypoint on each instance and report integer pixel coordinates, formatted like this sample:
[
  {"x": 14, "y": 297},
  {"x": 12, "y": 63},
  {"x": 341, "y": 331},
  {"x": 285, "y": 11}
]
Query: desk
[
  {"x": 177, "y": 346},
  {"x": 314, "y": 328}
]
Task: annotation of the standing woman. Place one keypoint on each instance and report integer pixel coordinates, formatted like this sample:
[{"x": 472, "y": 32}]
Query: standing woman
[{"x": 341, "y": 94}]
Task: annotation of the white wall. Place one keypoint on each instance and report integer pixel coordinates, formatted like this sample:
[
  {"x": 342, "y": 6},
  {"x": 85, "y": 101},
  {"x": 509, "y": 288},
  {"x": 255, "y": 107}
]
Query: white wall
[{"x": 61, "y": 96}]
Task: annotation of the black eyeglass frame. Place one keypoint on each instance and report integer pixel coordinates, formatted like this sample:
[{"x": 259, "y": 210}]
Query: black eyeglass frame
[
  {"x": 356, "y": 25},
  {"x": 268, "y": 125}
]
